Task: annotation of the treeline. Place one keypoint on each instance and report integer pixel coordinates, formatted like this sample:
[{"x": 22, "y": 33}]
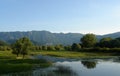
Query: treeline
[
  {"x": 51, "y": 47},
  {"x": 4, "y": 46},
  {"x": 88, "y": 43},
  {"x": 109, "y": 42}
]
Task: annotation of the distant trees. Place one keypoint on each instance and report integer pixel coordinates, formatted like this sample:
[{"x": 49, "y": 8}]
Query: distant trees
[
  {"x": 115, "y": 43},
  {"x": 44, "y": 47},
  {"x": 4, "y": 46},
  {"x": 105, "y": 39},
  {"x": 88, "y": 43},
  {"x": 68, "y": 48},
  {"x": 59, "y": 47},
  {"x": 51, "y": 48},
  {"x": 75, "y": 47},
  {"x": 104, "y": 42},
  {"x": 89, "y": 40},
  {"x": 109, "y": 43},
  {"x": 21, "y": 46},
  {"x": 2, "y": 43}
]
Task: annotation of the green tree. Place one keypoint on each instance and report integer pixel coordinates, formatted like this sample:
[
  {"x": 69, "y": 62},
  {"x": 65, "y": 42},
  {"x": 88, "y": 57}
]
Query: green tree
[
  {"x": 115, "y": 43},
  {"x": 75, "y": 47},
  {"x": 105, "y": 39},
  {"x": 50, "y": 47},
  {"x": 44, "y": 47},
  {"x": 2, "y": 43},
  {"x": 67, "y": 48},
  {"x": 89, "y": 40},
  {"x": 105, "y": 42},
  {"x": 59, "y": 47},
  {"x": 21, "y": 46}
]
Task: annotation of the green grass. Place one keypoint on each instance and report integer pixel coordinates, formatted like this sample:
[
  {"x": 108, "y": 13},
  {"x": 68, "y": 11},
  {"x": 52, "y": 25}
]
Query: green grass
[
  {"x": 7, "y": 55},
  {"x": 18, "y": 65},
  {"x": 69, "y": 54},
  {"x": 9, "y": 63}
]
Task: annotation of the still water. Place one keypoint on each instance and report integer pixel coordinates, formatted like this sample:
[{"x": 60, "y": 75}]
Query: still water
[{"x": 83, "y": 67}]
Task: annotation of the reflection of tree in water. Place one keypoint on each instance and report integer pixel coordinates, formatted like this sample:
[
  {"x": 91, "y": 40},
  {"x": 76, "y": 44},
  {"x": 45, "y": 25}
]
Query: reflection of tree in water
[
  {"x": 64, "y": 71},
  {"x": 89, "y": 64},
  {"x": 58, "y": 70}
]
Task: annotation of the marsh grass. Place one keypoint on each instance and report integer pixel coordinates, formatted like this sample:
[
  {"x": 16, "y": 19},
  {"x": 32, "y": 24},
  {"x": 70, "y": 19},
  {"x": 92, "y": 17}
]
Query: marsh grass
[
  {"x": 69, "y": 54},
  {"x": 10, "y": 64},
  {"x": 7, "y": 55},
  {"x": 18, "y": 65}
]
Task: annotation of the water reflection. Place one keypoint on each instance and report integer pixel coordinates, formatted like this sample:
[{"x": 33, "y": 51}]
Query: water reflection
[
  {"x": 56, "y": 71},
  {"x": 92, "y": 67},
  {"x": 89, "y": 64},
  {"x": 63, "y": 70}
]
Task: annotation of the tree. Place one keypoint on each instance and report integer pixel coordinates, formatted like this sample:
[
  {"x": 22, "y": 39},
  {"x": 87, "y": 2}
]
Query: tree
[
  {"x": 115, "y": 43},
  {"x": 105, "y": 42},
  {"x": 67, "y": 48},
  {"x": 21, "y": 46},
  {"x": 59, "y": 47},
  {"x": 89, "y": 40},
  {"x": 50, "y": 47},
  {"x": 2, "y": 43},
  {"x": 44, "y": 47},
  {"x": 75, "y": 47},
  {"x": 105, "y": 39}
]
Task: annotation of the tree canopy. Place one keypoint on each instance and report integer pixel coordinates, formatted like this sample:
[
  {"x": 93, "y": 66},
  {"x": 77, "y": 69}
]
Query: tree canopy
[
  {"x": 21, "y": 46},
  {"x": 75, "y": 47},
  {"x": 88, "y": 40}
]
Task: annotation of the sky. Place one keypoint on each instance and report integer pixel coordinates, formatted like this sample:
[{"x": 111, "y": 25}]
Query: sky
[{"x": 77, "y": 16}]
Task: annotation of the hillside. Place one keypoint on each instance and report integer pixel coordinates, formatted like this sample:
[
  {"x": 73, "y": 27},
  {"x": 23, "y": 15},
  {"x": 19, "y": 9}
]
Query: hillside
[{"x": 48, "y": 38}]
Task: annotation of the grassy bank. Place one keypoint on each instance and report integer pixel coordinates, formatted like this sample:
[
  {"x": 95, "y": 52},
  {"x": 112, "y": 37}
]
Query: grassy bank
[
  {"x": 9, "y": 63},
  {"x": 18, "y": 65},
  {"x": 7, "y": 55},
  {"x": 69, "y": 54}
]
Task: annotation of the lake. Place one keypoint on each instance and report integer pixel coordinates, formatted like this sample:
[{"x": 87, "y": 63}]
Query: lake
[{"x": 79, "y": 67}]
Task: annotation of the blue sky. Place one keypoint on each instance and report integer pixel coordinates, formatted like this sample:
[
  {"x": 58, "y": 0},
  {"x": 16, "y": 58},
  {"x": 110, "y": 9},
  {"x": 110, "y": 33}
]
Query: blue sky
[{"x": 79, "y": 16}]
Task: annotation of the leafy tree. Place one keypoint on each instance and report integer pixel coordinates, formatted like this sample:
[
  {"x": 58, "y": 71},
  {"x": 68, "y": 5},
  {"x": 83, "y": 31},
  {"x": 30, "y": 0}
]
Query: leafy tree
[
  {"x": 75, "y": 47},
  {"x": 89, "y": 40},
  {"x": 44, "y": 47},
  {"x": 50, "y": 47},
  {"x": 105, "y": 42},
  {"x": 2, "y": 43},
  {"x": 17, "y": 48},
  {"x": 38, "y": 47},
  {"x": 68, "y": 48},
  {"x": 115, "y": 43},
  {"x": 21, "y": 46},
  {"x": 105, "y": 39},
  {"x": 59, "y": 47}
]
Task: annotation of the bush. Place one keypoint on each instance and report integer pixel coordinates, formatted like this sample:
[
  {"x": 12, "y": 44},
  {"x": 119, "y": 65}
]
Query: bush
[
  {"x": 5, "y": 48},
  {"x": 98, "y": 49}
]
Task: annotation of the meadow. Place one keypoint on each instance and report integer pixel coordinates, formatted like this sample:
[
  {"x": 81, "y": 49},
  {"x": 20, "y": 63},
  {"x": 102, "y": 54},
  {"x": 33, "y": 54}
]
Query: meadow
[
  {"x": 71, "y": 54},
  {"x": 9, "y": 63}
]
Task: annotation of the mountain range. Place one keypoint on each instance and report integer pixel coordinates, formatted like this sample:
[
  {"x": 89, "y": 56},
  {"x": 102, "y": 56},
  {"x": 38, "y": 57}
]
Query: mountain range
[{"x": 48, "y": 38}]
